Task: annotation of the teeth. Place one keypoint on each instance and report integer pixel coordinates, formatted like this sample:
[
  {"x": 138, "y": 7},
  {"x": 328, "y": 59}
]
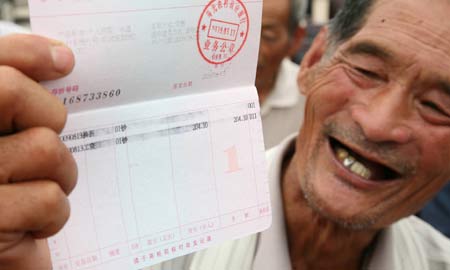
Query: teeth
[
  {"x": 351, "y": 163},
  {"x": 342, "y": 154},
  {"x": 360, "y": 170},
  {"x": 348, "y": 161}
]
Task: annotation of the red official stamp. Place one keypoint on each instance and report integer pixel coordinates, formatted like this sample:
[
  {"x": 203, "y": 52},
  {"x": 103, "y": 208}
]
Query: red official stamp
[{"x": 222, "y": 30}]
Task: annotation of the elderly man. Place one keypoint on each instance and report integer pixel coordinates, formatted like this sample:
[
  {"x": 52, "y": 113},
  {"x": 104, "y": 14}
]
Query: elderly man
[
  {"x": 281, "y": 36},
  {"x": 373, "y": 149}
]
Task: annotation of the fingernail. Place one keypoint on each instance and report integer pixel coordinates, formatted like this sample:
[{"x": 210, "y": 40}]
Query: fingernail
[{"x": 62, "y": 58}]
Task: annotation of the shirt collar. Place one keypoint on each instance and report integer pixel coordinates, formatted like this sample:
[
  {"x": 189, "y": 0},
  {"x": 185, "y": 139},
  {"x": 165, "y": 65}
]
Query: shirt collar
[
  {"x": 272, "y": 250},
  {"x": 397, "y": 248},
  {"x": 285, "y": 92}
]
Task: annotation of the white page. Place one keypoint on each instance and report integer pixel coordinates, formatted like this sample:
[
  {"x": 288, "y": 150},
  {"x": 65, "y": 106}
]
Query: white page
[
  {"x": 147, "y": 49},
  {"x": 170, "y": 153}
]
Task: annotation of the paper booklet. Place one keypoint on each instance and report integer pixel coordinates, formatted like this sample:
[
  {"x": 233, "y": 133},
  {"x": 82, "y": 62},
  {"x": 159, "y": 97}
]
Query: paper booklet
[{"x": 164, "y": 125}]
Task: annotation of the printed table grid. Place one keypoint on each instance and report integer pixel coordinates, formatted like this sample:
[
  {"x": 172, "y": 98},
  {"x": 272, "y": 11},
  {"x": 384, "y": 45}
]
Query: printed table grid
[{"x": 254, "y": 146}]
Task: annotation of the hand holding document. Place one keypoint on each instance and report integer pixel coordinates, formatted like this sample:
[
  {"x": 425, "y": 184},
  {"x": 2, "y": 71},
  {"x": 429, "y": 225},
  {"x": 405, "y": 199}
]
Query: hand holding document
[{"x": 164, "y": 124}]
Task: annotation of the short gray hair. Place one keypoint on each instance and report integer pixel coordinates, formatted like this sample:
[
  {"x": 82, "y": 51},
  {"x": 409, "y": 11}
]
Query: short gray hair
[
  {"x": 297, "y": 14},
  {"x": 349, "y": 20}
]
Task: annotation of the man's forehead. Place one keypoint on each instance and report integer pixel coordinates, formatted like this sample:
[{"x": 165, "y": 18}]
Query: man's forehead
[
  {"x": 409, "y": 23},
  {"x": 415, "y": 11}
]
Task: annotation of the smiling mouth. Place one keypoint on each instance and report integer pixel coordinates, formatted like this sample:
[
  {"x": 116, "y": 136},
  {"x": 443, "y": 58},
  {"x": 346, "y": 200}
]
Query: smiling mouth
[{"x": 362, "y": 166}]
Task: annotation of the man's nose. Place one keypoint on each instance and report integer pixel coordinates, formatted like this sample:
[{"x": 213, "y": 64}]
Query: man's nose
[{"x": 383, "y": 117}]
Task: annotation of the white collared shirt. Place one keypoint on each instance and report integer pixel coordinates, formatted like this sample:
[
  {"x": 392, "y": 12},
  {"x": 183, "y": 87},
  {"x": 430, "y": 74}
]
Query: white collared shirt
[
  {"x": 7, "y": 28},
  {"x": 282, "y": 111},
  {"x": 285, "y": 93},
  {"x": 273, "y": 243}
]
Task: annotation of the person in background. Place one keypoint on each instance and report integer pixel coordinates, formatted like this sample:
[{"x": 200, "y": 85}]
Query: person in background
[{"x": 283, "y": 30}]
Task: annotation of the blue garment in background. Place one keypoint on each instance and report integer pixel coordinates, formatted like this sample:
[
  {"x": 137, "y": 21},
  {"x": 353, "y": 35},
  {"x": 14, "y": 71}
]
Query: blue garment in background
[{"x": 437, "y": 211}]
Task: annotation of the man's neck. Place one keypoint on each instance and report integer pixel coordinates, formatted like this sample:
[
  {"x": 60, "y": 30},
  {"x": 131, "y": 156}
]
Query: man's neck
[{"x": 315, "y": 242}]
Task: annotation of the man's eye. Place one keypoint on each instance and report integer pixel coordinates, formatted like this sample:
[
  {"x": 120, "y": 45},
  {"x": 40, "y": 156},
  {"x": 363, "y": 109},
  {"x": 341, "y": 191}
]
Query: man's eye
[
  {"x": 436, "y": 108},
  {"x": 365, "y": 78},
  {"x": 368, "y": 73}
]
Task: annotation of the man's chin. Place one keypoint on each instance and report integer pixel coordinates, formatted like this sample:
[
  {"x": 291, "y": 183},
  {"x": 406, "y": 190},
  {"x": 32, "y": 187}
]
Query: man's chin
[{"x": 339, "y": 215}]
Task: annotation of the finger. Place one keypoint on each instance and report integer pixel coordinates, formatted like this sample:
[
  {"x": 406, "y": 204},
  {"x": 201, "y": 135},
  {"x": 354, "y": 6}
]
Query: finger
[
  {"x": 24, "y": 103},
  {"x": 37, "y": 57},
  {"x": 25, "y": 254},
  {"x": 36, "y": 153},
  {"x": 40, "y": 207}
]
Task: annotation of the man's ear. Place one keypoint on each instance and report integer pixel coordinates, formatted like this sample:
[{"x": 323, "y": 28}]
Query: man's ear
[
  {"x": 312, "y": 57},
  {"x": 296, "y": 41}
]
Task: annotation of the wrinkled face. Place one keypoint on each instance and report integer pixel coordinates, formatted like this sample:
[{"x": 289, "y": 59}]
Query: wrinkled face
[
  {"x": 274, "y": 44},
  {"x": 375, "y": 145}
]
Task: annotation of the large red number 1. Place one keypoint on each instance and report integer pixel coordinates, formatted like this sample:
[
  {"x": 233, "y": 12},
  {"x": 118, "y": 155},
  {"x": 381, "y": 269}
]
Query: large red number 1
[{"x": 233, "y": 163}]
